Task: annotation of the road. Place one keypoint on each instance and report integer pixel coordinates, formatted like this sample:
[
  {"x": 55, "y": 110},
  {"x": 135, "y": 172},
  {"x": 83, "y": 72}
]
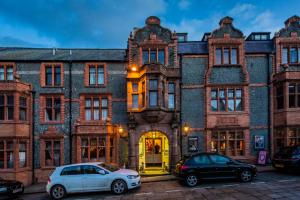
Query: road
[{"x": 268, "y": 185}]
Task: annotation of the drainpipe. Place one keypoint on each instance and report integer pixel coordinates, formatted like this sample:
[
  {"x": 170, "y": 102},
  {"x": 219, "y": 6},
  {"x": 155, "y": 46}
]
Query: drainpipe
[
  {"x": 70, "y": 107},
  {"x": 32, "y": 134},
  {"x": 180, "y": 93},
  {"x": 269, "y": 109}
]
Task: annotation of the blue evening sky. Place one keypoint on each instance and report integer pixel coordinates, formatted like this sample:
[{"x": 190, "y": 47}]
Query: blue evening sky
[{"x": 107, "y": 23}]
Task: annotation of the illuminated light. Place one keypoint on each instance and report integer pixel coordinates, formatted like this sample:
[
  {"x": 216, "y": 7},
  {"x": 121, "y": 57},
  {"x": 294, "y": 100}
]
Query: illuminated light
[
  {"x": 186, "y": 128},
  {"x": 120, "y": 129},
  {"x": 134, "y": 68}
]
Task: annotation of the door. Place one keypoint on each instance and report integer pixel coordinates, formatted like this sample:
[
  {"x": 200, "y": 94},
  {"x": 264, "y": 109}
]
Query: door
[
  {"x": 153, "y": 152},
  {"x": 92, "y": 179},
  {"x": 202, "y": 166},
  {"x": 72, "y": 178},
  {"x": 223, "y": 166}
]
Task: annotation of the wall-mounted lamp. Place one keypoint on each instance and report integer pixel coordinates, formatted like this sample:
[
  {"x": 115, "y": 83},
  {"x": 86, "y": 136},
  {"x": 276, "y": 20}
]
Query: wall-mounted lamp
[
  {"x": 186, "y": 128},
  {"x": 133, "y": 68}
]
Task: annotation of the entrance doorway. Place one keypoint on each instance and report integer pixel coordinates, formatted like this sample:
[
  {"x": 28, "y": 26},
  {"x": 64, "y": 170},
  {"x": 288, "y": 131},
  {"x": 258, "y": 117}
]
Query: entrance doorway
[{"x": 153, "y": 153}]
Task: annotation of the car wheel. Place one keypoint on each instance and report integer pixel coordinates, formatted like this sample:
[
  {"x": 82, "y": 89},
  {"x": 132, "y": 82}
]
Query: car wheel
[
  {"x": 57, "y": 192},
  {"x": 246, "y": 176},
  {"x": 191, "y": 180},
  {"x": 119, "y": 187}
]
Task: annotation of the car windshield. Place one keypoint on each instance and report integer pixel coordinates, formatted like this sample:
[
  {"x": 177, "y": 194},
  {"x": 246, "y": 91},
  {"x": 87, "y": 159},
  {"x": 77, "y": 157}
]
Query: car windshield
[{"x": 111, "y": 168}]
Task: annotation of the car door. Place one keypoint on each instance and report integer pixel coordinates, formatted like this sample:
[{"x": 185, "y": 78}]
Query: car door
[
  {"x": 202, "y": 165},
  {"x": 72, "y": 178},
  {"x": 224, "y": 167},
  {"x": 94, "y": 178}
]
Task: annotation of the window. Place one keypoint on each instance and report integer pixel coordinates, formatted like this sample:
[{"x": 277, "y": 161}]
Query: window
[
  {"x": 279, "y": 97},
  {"x": 89, "y": 169},
  {"x": 53, "y": 74},
  {"x": 23, "y": 109},
  {"x": 53, "y": 109},
  {"x": 94, "y": 110},
  {"x": 22, "y": 154},
  {"x": 279, "y": 136},
  {"x": 143, "y": 94},
  {"x": 171, "y": 95},
  {"x": 6, "y": 107},
  {"x": 286, "y": 137},
  {"x": 293, "y": 136},
  {"x": 52, "y": 153},
  {"x": 226, "y": 99},
  {"x": 93, "y": 149},
  {"x": 153, "y": 92},
  {"x": 135, "y": 96},
  {"x": 199, "y": 160},
  {"x": 219, "y": 159},
  {"x": 294, "y": 95},
  {"x": 96, "y": 74},
  {"x": 290, "y": 55},
  {"x": 153, "y": 55},
  {"x": 228, "y": 142},
  {"x": 6, "y": 72},
  {"x": 73, "y": 170},
  {"x": 225, "y": 56}
]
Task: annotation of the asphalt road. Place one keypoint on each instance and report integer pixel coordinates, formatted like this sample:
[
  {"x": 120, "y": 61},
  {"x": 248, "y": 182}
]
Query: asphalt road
[{"x": 268, "y": 185}]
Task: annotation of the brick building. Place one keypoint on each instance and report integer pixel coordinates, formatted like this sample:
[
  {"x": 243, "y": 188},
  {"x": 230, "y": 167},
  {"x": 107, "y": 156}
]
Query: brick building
[{"x": 147, "y": 105}]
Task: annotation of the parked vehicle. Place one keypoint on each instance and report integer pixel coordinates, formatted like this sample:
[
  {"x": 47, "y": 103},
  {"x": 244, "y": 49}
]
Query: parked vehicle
[
  {"x": 91, "y": 177},
  {"x": 8, "y": 187},
  {"x": 288, "y": 158},
  {"x": 213, "y": 166}
]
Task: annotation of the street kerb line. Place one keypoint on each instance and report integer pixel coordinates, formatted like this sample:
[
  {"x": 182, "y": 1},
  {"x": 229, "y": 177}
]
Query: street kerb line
[
  {"x": 198, "y": 188},
  {"x": 172, "y": 191},
  {"x": 289, "y": 180},
  {"x": 230, "y": 185},
  {"x": 261, "y": 182},
  {"x": 144, "y": 193}
]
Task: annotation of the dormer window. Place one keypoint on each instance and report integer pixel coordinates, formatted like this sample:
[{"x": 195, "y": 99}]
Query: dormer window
[
  {"x": 153, "y": 56},
  {"x": 226, "y": 56},
  {"x": 290, "y": 55}
]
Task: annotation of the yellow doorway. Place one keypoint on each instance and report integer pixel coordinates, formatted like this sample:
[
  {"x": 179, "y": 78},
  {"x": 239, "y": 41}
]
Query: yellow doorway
[{"x": 153, "y": 153}]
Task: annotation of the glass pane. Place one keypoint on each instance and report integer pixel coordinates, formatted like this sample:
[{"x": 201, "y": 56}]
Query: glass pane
[
  {"x": 171, "y": 101},
  {"x": 96, "y": 114},
  {"x": 104, "y": 102},
  {"x": 93, "y": 148},
  {"x": 284, "y": 55},
  {"x": 153, "y": 55},
  {"x": 234, "y": 56},
  {"x": 230, "y": 93},
  {"x": 84, "y": 142},
  {"x": 298, "y": 55},
  {"x": 145, "y": 56},
  {"x": 88, "y": 102},
  {"x": 134, "y": 87},
  {"x": 1, "y": 73},
  {"x": 292, "y": 88},
  {"x": 238, "y": 93},
  {"x": 294, "y": 55},
  {"x": 100, "y": 75},
  {"x": 298, "y": 104},
  {"x": 222, "y": 135},
  {"x": 96, "y": 103},
  {"x": 10, "y": 159},
  {"x": 57, "y": 103},
  {"x": 48, "y": 75},
  {"x": 9, "y": 145},
  {"x": 153, "y": 84},
  {"x": 238, "y": 104},
  {"x": 292, "y": 101},
  {"x": 10, "y": 100},
  {"x": 226, "y": 56},
  {"x": 57, "y": 78},
  {"x": 92, "y": 75},
  {"x": 135, "y": 101},
  {"x": 10, "y": 113},
  {"x": 102, "y": 141},
  {"x": 56, "y": 161},
  {"x": 10, "y": 73},
  {"x": 222, "y": 94},
  {"x": 214, "y": 94},
  {"x": 230, "y": 105},
  {"x": 161, "y": 56},
  {"x": 218, "y": 56},
  {"x": 104, "y": 114},
  {"x": 56, "y": 145},
  {"x": 88, "y": 115},
  {"x": 214, "y": 135},
  {"x": 214, "y": 105},
  {"x": 222, "y": 104},
  {"x": 153, "y": 99}
]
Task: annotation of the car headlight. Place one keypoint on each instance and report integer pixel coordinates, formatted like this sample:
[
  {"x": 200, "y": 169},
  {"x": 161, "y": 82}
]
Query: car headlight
[{"x": 132, "y": 176}]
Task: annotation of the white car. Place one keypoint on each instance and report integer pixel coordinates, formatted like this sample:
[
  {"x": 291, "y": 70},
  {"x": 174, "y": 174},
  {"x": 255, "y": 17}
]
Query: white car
[{"x": 91, "y": 177}]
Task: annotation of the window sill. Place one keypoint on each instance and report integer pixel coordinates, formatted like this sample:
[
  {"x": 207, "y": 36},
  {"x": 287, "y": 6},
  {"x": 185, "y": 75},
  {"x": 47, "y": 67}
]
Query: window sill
[
  {"x": 227, "y": 65},
  {"x": 51, "y": 122},
  {"x": 227, "y": 112},
  {"x": 96, "y": 86}
]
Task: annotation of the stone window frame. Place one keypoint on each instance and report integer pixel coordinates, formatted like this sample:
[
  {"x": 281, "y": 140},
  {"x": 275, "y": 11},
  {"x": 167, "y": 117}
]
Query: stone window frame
[
  {"x": 43, "y": 98},
  {"x": 43, "y": 74},
  {"x": 51, "y": 135},
  {"x": 157, "y": 50},
  {"x": 101, "y": 96},
  {"x": 15, "y": 150},
  {"x": 226, "y": 99},
  {"x": 5, "y": 106},
  {"x": 288, "y": 47},
  {"x": 226, "y": 151},
  {"x": 87, "y": 74},
  {"x": 6, "y": 65},
  {"x": 296, "y": 95},
  {"x": 230, "y": 47}
]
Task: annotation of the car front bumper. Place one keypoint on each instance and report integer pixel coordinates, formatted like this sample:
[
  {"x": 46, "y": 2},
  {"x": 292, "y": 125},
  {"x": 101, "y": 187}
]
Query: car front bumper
[{"x": 133, "y": 183}]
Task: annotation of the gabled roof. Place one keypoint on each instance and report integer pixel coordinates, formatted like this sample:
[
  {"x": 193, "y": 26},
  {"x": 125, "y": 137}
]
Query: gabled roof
[{"x": 48, "y": 54}]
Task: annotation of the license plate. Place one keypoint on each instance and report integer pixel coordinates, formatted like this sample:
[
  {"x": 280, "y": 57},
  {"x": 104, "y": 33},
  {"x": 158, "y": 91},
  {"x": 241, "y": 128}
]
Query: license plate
[
  {"x": 17, "y": 190},
  {"x": 3, "y": 190},
  {"x": 279, "y": 165}
]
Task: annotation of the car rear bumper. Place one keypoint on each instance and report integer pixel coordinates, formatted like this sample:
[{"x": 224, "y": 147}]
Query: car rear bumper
[{"x": 283, "y": 164}]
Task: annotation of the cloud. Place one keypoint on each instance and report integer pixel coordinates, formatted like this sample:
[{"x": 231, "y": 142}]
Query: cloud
[
  {"x": 80, "y": 23},
  {"x": 244, "y": 11},
  {"x": 184, "y": 4}
]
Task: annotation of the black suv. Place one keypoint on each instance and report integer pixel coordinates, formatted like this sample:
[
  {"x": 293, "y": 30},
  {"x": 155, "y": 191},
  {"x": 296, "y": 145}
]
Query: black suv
[
  {"x": 213, "y": 166},
  {"x": 287, "y": 158}
]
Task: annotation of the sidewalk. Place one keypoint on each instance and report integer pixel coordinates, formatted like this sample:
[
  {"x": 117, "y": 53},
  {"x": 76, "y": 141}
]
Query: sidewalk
[{"x": 40, "y": 187}]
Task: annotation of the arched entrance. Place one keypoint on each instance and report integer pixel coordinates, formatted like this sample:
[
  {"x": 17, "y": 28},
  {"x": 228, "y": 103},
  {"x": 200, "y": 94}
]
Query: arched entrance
[{"x": 154, "y": 153}]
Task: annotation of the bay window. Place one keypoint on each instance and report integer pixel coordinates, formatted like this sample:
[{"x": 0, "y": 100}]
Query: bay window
[
  {"x": 23, "y": 108},
  {"x": 153, "y": 87},
  {"x": 6, "y": 107},
  {"x": 171, "y": 95},
  {"x": 294, "y": 95},
  {"x": 290, "y": 55},
  {"x": 135, "y": 96}
]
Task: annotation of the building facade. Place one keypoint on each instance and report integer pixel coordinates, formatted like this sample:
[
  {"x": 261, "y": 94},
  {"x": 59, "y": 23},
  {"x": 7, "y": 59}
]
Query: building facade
[{"x": 146, "y": 106}]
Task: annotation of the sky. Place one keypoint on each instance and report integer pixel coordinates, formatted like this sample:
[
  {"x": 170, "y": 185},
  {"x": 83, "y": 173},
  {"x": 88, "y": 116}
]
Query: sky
[{"x": 107, "y": 23}]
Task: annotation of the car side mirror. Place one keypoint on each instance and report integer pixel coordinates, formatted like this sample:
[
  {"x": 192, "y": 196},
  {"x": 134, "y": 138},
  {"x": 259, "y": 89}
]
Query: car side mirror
[{"x": 102, "y": 172}]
